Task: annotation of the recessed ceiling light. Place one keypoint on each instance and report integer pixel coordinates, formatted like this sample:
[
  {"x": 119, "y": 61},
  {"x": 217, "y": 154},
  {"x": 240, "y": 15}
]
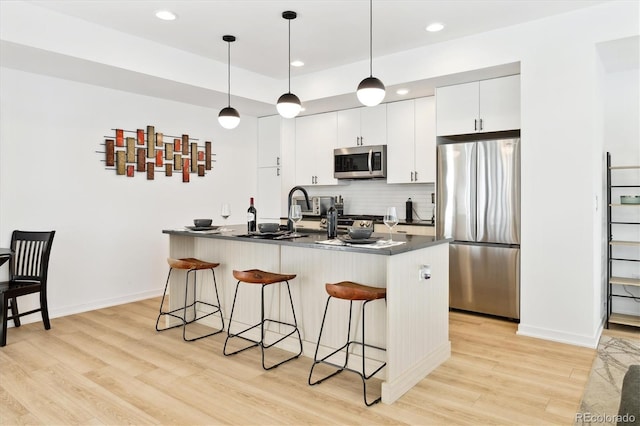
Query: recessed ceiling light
[
  {"x": 435, "y": 27},
  {"x": 297, "y": 63},
  {"x": 166, "y": 15},
  {"x": 402, "y": 91}
]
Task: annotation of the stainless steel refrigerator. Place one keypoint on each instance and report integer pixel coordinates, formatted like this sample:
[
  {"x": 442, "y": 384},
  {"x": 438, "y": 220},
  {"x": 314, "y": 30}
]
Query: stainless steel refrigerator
[{"x": 478, "y": 205}]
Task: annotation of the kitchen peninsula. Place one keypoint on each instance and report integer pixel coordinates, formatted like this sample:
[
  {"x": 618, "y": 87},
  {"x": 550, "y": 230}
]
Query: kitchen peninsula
[{"x": 413, "y": 325}]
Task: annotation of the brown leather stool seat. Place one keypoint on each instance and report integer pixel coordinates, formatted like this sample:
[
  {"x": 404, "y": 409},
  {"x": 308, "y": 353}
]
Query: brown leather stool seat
[
  {"x": 351, "y": 291},
  {"x": 256, "y": 276},
  {"x": 191, "y": 266}
]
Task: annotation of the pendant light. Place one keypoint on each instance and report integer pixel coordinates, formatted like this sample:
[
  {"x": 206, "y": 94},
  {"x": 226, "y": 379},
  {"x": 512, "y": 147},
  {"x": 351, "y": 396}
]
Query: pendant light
[
  {"x": 229, "y": 117},
  {"x": 370, "y": 90},
  {"x": 289, "y": 104}
]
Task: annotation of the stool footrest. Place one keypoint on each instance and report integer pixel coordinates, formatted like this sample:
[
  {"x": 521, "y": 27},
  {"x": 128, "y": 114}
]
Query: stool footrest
[{"x": 261, "y": 343}]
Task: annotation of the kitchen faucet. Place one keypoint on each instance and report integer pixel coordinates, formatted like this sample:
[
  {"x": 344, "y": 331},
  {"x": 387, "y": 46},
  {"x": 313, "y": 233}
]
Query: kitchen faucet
[{"x": 306, "y": 198}]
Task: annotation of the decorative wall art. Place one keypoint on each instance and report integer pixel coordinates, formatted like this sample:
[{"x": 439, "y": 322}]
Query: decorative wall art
[{"x": 153, "y": 152}]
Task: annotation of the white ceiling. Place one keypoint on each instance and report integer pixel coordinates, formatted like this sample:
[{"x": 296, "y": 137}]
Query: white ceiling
[{"x": 326, "y": 34}]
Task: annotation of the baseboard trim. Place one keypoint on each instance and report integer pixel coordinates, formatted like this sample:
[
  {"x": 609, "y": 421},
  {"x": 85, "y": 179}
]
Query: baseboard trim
[
  {"x": 85, "y": 307},
  {"x": 560, "y": 336}
]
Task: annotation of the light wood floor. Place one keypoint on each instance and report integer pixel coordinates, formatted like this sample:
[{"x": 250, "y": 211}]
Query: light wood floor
[{"x": 110, "y": 366}]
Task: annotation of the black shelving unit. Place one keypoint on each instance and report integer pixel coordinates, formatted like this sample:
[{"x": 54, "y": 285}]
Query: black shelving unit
[{"x": 615, "y": 283}]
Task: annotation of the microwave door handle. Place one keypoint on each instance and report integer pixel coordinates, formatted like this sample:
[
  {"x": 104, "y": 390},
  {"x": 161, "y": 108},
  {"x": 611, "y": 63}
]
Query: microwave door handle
[{"x": 370, "y": 158}]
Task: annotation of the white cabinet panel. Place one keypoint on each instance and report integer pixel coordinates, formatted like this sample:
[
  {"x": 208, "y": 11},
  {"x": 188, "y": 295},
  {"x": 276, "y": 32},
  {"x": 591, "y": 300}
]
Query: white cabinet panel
[
  {"x": 478, "y": 107},
  {"x": 362, "y": 126},
  {"x": 269, "y": 194},
  {"x": 457, "y": 109},
  {"x": 500, "y": 103},
  {"x": 411, "y": 141},
  {"x": 269, "y": 141},
  {"x": 400, "y": 141},
  {"x": 316, "y": 137},
  {"x": 425, "y": 139}
]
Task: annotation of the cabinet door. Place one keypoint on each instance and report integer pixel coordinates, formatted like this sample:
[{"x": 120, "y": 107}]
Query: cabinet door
[
  {"x": 500, "y": 104},
  {"x": 457, "y": 109},
  {"x": 316, "y": 137},
  {"x": 326, "y": 141},
  {"x": 373, "y": 125},
  {"x": 425, "y": 139},
  {"x": 348, "y": 127},
  {"x": 400, "y": 142},
  {"x": 269, "y": 194},
  {"x": 269, "y": 141}
]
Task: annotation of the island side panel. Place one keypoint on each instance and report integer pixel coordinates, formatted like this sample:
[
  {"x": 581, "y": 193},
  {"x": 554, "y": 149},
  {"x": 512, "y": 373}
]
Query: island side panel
[
  {"x": 417, "y": 318},
  {"x": 315, "y": 268}
]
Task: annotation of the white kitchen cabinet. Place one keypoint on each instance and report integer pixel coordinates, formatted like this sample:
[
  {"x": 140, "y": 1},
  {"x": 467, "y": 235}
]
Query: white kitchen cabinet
[
  {"x": 316, "y": 137},
  {"x": 269, "y": 194},
  {"x": 411, "y": 141},
  {"x": 362, "y": 126},
  {"x": 269, "y": 141},
  {"x": 479, "y": 107}
]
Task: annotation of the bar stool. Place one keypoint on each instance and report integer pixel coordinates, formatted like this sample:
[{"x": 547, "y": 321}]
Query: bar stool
[
  {"x": 347, "y": 290},
  {"x": 256, "y": 276},
  {"x": 191, "y": 265}
]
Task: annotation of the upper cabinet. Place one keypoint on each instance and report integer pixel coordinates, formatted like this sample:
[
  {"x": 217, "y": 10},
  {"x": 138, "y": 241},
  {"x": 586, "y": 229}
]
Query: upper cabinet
[
  {"x": 362, "y": 126},
  {"x": 411, "y": 141},
  {"x": 269, "y": 141},
  {"x": 316, "y": 137},
  {"x": 479, "y": 107}
]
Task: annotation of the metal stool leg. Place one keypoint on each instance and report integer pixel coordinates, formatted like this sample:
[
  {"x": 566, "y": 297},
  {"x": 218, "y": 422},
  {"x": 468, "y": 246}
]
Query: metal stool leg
[
  {"x": 363, "y": 376},
  {"x": 261, "y": 324},
  {"x": 183, "y": 319}
]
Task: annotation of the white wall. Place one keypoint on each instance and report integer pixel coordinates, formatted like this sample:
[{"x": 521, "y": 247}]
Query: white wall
[{"x": 108, "y": 247}]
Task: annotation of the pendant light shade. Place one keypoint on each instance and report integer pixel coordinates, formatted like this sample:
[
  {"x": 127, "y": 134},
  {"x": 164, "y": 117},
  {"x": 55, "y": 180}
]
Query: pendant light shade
[
  {"x": 289, "y": 104},
  {"x": 229, "y": 117},
  {"x": 371, "y": 91}
]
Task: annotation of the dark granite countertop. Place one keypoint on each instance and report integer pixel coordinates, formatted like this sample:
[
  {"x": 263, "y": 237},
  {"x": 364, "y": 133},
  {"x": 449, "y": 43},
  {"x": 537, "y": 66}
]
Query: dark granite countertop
[{"x": 316, "y": 240}]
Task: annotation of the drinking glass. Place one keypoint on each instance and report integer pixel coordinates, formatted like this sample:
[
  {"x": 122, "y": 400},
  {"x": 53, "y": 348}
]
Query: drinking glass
[
  {"x": 225, "y": 211},
  {"x": 391, "y": 220},
  {"x": 295, "y": 214}
]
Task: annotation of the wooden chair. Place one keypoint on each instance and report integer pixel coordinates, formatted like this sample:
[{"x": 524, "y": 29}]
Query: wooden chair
[{"x": 27, "y": 274}]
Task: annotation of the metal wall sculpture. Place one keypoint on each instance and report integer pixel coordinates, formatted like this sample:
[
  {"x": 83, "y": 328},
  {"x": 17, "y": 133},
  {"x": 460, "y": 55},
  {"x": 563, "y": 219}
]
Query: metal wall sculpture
[{"x": 153, "y": 151}]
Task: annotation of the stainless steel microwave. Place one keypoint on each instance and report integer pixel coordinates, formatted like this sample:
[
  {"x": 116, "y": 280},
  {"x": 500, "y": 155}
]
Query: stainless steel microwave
[{"x": 360, "y": 162}]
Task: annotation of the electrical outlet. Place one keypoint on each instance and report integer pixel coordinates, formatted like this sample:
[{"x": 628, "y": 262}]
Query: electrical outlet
[{"x": 424, "y": 272}]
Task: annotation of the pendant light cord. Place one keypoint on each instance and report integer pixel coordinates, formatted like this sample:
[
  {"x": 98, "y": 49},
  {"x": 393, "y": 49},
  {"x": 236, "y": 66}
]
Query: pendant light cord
[
  {"x": 370, "y": 38},
  {"x": 289, "y": 55},
  {"x": 229, "y": 73}
]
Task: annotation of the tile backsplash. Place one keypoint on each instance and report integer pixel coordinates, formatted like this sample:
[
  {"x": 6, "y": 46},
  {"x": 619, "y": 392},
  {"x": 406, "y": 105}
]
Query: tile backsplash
[{"x": 374, "y": 196}]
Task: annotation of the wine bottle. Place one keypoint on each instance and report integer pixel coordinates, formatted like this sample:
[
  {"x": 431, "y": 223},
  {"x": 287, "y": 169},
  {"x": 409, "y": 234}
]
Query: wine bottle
[
  {"x": 251, "y": 217},
  {"x": 332, "y": 222}
]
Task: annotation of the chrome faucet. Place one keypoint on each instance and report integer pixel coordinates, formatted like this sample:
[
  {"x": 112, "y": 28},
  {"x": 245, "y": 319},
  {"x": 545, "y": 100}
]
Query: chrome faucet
[{"x": 306, "y": 198}]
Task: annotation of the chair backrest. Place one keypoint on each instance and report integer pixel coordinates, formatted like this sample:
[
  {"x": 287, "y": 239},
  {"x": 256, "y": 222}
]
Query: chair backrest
[{"x": 31, "y": 252}]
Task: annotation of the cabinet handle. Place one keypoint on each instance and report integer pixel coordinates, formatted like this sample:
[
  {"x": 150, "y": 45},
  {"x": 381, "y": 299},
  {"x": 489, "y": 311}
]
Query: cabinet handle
[
  {"x": 277, "y": 161},
  {"x": 415, "y": 174},
  {"x": 481, "y": 124},
  {"x": 278, "y": 171},
  {"x": 411, "y": 176},
  {"x": 475, "y": 124},
  {"x": 361, "y": 140}
]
